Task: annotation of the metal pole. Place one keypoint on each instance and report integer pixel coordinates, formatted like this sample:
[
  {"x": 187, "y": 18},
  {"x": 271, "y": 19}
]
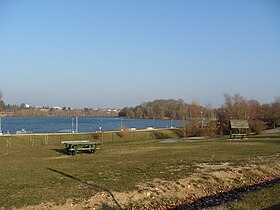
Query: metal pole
[
  {"x": 201, "y": 119},
  {"x": 72, "y": 125},
  {"x": 185, "y": 128},
  {"x": 100, "y": 135},
  {"x": 76, "y": 124}
]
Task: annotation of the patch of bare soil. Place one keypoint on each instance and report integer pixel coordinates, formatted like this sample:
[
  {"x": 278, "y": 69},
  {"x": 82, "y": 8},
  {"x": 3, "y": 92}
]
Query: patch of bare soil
[{"x": 208, "y": 179}]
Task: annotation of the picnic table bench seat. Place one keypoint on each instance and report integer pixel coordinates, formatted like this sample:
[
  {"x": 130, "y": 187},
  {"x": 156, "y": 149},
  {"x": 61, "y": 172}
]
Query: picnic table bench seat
[
  {"x": 73, "y": 147},
  {"x": 238, "y": 135}
]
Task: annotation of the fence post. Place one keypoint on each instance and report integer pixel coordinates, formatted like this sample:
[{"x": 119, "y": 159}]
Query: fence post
[
  {"x": 46, "y": 139},
  {"x": 32, "y": 141},
  {"x": 8, "y": 144}
]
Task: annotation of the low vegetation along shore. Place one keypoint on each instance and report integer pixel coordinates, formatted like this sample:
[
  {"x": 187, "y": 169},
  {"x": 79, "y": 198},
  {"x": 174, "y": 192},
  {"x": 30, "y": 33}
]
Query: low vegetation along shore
[{"x": 137, "y": 170}]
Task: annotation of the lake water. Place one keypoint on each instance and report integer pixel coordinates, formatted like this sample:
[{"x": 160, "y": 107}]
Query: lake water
[{"x": 85, "y": 124}]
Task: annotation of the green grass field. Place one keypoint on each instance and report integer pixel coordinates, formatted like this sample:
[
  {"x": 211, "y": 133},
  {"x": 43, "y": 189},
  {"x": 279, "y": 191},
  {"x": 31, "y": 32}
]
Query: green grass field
[{"x": 35, "y": 170}]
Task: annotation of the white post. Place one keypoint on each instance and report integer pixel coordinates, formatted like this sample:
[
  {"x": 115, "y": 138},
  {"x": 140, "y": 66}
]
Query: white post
[
  {"x": 72, "y": 130},
  {"x": 100, "y": 135},
  {"x": 8, "y": 144},
  {"x": 76, "y": 124}
]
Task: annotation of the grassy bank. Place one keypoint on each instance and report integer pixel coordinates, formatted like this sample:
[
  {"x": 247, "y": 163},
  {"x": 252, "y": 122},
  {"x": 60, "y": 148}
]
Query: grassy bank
[
  {"x": 55, "y": 139},
  {"x": 266, "y": 198},
  {"x": 35, "y": 170}
]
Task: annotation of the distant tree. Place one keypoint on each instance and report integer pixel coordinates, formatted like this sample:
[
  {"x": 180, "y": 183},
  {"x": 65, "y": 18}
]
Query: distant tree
[
  {"x": 124, "y": 112},
  {"x": 277, "y": 100},
  {"x": 275, "y": 109},
  {"x": 1, "y": 95},
  {"x": 139, "y": 112},
  {"x": 195, "y": 110},
  {"x": 160, "y": 109},
  {"x": 22, "y": 106},
  {"x": 2, "y": 104},
  {"x": 234, "y": 107},
  {"x": 258, "y": 115}
]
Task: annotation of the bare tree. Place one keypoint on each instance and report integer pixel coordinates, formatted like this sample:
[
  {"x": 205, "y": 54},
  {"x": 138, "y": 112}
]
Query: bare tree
[
  {"x": 1, "y": 101},
  {"x": 1, "y": 95}
]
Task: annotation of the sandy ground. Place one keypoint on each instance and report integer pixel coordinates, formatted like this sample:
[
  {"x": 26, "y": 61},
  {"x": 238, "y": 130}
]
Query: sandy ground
[{"x": 208, "y": 179}]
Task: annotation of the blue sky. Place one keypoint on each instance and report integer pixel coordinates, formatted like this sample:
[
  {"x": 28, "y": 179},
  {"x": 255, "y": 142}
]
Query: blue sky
[{"x": 122, "y": 52}]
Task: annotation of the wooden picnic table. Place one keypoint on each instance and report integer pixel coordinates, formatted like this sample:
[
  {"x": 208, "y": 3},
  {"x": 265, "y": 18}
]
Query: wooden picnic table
[{"x": 73, "y": 147}]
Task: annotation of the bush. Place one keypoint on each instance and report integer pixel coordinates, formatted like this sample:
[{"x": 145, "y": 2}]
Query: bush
[
  {"x": 257, "y": 126},
  {"x": 179, "y": 132},
  {"x": 162, "y": 135},
  {"x": 194, "y": 131},
  {"x": 96, "y": 136},
  {"x": 121, "y": 134}
]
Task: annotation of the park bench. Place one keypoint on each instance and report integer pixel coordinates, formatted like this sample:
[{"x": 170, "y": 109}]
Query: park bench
[{"x": 73, "y": 147}]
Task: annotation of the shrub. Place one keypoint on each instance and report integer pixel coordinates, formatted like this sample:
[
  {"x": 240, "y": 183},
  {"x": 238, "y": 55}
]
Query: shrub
[
  {"x": 96, "y": 136},
  {"x": 257, "y": 126},
  {"x": 121, "y": 134}
]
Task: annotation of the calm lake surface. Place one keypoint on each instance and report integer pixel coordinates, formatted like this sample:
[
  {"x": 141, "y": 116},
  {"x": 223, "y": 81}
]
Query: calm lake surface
[{"x": 85, "y": 124}]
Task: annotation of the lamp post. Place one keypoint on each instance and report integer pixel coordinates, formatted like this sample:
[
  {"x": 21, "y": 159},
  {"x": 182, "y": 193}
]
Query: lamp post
[
  {"x": 76, "y": 124},
  {"x": 72, "y": 125},
  {"x": 185, "y": 127},
  {"x": 201, "y": 119},
  {"x": 100, "y": 135}
]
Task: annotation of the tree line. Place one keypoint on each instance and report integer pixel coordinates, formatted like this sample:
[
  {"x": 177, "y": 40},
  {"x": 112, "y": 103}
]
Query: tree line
[
  {"x": 2, "y": 104},
  {"x": 14, "y": 110},
  {"x": 167, "y": 109},
  {"x": 259, "y": 116},
  {"x": 22, "y": 110}
]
